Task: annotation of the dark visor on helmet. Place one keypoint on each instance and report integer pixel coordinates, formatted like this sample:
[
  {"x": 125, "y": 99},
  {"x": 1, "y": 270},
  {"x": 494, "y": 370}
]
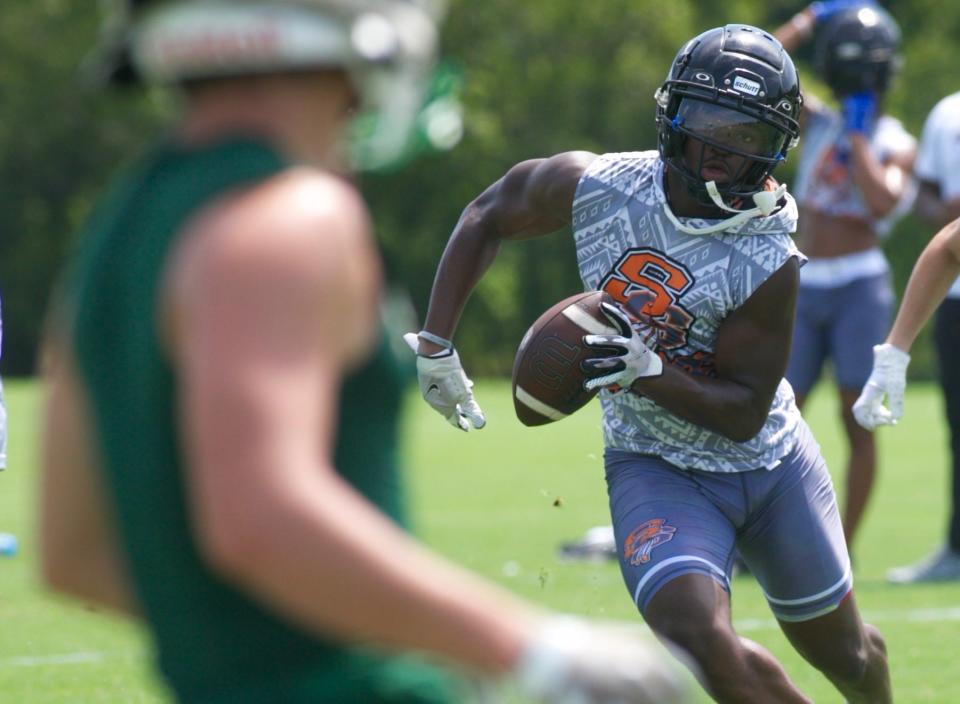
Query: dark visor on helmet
[{"x": 728, "y": 129}]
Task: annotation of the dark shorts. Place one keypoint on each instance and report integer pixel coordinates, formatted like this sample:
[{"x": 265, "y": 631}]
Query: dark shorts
[
  {"x": 784, "y": 522},
  {"x": 843, "y": 324}
]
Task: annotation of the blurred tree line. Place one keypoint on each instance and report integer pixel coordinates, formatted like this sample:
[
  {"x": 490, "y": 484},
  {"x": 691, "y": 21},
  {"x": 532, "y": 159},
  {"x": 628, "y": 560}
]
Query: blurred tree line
[{"x": 541, "y": 76}]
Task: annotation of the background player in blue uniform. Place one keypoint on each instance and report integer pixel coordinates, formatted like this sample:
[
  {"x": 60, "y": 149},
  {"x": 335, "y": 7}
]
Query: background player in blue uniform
[
  {"x": 938, "y": 202},
  {"x": 851, "y": 183}
]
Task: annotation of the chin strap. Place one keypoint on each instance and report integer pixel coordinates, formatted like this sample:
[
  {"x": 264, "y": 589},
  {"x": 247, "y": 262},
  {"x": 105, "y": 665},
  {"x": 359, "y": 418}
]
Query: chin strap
[{"x": 765, "y": 203}]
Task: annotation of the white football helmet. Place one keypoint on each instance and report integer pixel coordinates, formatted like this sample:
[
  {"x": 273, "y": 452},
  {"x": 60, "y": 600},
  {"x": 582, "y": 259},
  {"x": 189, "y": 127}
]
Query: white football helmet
[{"x": 388, "y": 47}]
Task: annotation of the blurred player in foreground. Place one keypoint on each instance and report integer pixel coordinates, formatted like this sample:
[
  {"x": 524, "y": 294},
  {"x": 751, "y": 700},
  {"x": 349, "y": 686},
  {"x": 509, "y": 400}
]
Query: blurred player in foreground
[
  {"x": 220, "y": 435},
  {"x": 938, "y": 202},
  {"x": 852, "y": 184},
  {"x": 705, "y": 448},
  {"x": 3, "y": 422}
]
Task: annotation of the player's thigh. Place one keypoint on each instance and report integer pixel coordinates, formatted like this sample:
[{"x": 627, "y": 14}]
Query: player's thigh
[
  {"x": 864, "y": 310},
  {"x": 809, "y": 347},
  {"x": 794, "y": 543},
  {"x": 666, "y": 525}
]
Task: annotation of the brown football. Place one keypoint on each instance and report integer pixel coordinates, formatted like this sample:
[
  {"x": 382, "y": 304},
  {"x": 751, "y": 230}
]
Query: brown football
[{"x": 547, "y": 378}]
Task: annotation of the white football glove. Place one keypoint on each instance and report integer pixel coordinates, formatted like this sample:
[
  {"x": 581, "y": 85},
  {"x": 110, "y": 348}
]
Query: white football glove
[
  {"x": 573, "y": 661},
  {"x": 445, "y": 386},
  {"x": 888, "y": 379},
  {"x": 632, "y": 361}
]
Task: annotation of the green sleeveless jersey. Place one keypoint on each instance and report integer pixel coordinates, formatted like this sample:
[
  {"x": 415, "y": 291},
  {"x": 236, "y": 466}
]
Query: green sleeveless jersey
[{"x": 215, "y": 645}]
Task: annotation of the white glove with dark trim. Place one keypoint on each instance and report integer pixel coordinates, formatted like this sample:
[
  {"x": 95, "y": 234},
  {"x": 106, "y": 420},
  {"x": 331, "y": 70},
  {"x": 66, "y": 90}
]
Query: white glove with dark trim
[
  {"x": 445, "y": 386},
  {"x": 573, "y": 661},
  {"x": 631, "y": 361},
  {"x": 888, "y": 379}
]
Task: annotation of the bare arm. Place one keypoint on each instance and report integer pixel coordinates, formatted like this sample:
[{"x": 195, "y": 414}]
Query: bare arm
[
  {"x": 534, "y": 198},
  {"x": 792, "y": 34},
  {"x": 752, "y": 348},
  {"x": 795, "y": 31},
  {"x": 935, "y": 271},
  {"x": 882, "y": 184},
  {"x": 79, "y": 547},
  {"x": 264, "y": 328}
]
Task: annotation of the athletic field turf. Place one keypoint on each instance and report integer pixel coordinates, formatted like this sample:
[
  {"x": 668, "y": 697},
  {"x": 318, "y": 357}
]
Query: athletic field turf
[{"x": 500, "y": 501}]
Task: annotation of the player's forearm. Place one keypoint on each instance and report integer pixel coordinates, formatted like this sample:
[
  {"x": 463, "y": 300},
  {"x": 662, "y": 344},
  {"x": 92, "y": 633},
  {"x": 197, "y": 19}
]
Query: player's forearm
[
  {"x": 935, "y": 271},
  {"x": 880, "y": 186},
  {"x": 725, "y": 407},
  {"x": 468, "y": 254},
  {"x": 796, "y": 30},
  {"x": 335, "y": 565}
]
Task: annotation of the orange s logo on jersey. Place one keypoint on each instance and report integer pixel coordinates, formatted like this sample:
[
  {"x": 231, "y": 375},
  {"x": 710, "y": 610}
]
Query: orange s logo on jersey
[{"x": 649, "y": 284}]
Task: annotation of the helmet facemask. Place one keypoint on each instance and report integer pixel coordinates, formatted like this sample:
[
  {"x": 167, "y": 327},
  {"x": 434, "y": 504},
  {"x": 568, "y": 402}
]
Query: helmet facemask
[{"x": 716, "y": 132}]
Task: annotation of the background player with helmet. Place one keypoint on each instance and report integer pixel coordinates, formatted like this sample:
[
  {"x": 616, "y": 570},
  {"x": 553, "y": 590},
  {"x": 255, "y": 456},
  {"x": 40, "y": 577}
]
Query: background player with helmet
[
  {"x": 938, "y": 202},
  {"x": 213, "y": 460},
  {"x": 705, "y": 448},
  {"x": 851, "y": 183}
]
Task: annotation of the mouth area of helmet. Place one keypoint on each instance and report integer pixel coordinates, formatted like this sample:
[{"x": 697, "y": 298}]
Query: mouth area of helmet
[
  {"x": 713, "y": 167},
  {"x": 709, "y": 162}
]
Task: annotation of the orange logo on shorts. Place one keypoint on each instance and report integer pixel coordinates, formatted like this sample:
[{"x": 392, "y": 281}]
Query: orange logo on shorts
[{"x": 645, "y": 538}]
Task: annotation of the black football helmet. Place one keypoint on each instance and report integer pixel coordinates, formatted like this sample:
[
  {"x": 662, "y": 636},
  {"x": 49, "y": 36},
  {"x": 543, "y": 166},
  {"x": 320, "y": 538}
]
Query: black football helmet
[
  {"x": 736, "y": 89},
  {"x": 856, "y": 50}
]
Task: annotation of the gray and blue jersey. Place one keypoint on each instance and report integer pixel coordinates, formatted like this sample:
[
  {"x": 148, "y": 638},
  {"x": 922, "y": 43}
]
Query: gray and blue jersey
[
  {"x": 679, "y": 288},
  {"x": 823, "y": 181}
]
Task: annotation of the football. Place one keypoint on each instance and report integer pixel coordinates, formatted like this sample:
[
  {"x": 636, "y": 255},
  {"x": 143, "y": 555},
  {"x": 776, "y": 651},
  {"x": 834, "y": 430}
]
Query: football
[{"x": 547, "y": 378}]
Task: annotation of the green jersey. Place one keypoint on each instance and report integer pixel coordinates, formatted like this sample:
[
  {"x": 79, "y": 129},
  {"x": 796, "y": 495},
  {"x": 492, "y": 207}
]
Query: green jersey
[{"x": 215, "y": 644}]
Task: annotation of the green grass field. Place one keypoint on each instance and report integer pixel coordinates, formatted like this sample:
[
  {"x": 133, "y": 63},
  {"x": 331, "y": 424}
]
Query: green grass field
[{"x": 500, "y": 501}]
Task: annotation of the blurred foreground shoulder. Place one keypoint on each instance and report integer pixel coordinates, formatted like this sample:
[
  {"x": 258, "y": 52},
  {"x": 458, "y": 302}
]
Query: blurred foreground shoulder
[
  {"x": 293, "y": 250},
  {"x": 303, "y": 224}
]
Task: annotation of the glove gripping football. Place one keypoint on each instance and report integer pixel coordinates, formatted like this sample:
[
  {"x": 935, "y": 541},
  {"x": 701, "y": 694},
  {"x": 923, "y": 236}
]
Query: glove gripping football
[{"x": 632, "y": 359}]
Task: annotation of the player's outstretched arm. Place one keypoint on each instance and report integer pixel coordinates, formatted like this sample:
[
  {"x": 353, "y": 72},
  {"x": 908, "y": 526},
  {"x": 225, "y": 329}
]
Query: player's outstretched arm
[
  {"x": 265, "y": 318},
  {"x": 881, "y": 401},
  {"x": 534, "y": 198},
  {"x": 752, "y": 347},
  {"x": 935, "y": 271}
]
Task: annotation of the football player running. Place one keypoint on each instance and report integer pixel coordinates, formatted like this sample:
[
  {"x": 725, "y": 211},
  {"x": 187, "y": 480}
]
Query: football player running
[
  {"x": 852, "y": 184},
  {"x": 706, "y": 450},
  {"x": 211, "y": 462}
]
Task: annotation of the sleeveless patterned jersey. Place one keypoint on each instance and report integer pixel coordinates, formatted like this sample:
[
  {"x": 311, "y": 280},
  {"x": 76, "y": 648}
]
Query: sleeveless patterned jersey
[{"x": 680, "y": 287}]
